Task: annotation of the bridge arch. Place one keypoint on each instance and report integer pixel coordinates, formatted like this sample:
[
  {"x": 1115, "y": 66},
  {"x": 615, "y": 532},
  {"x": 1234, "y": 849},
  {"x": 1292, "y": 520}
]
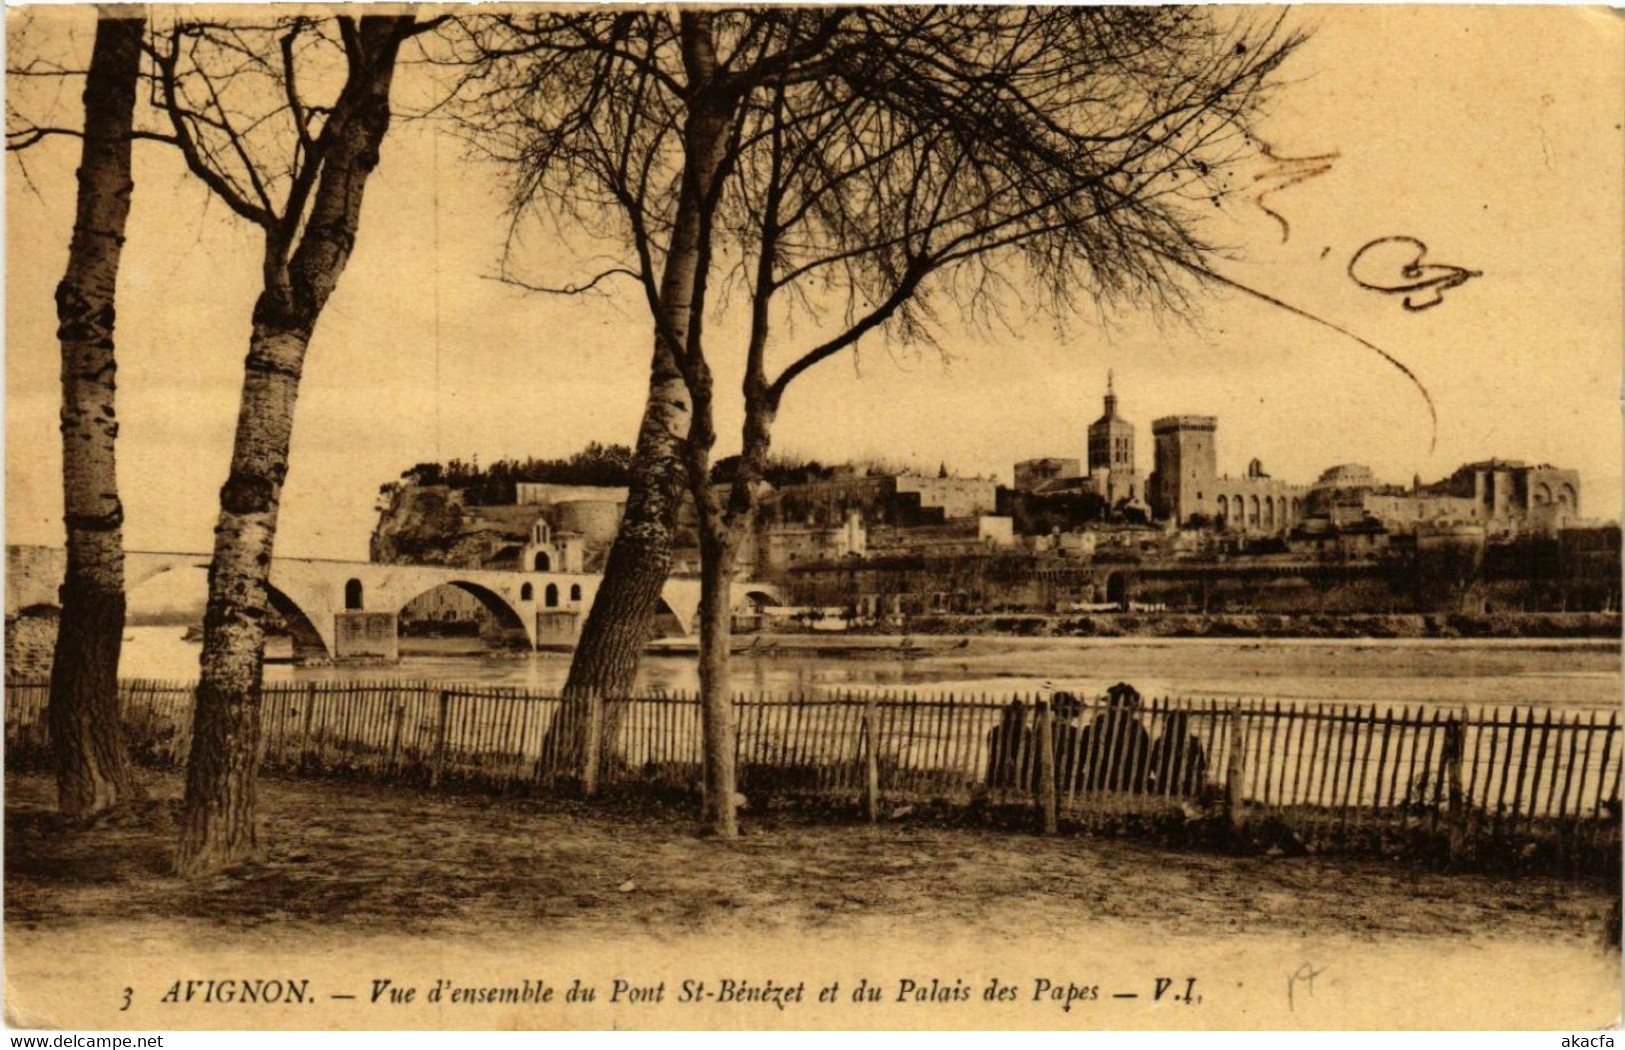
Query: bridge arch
[
  {"x": 511, "y": 622},
  {"x": 309, "y": 640},
  {"x": 311, "y": 593},
  {"x": 668, "y": 622},
  {"x": 313, "y": 636},
  {"x": 760, "y": 596},
  {"x": 140, "y": 567}
]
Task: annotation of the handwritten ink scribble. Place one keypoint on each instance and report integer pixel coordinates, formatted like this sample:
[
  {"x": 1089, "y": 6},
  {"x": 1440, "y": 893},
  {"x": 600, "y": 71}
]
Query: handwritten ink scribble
[
  {"x": 1314, "y": 318},
  {"x": 1305, "y": 975},
  {"x": 1285, "y": 173},
  {"x": 1395, "y": 266}
]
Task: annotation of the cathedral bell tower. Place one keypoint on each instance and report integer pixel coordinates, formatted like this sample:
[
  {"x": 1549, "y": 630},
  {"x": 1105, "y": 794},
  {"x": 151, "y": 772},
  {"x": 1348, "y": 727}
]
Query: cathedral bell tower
[
  {"x": 1111, "y": 437},
  {"x": 1111, "y": 452}
]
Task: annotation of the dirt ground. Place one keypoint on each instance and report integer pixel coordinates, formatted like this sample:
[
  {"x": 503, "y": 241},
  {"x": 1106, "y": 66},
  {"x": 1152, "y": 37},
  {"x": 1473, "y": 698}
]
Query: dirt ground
[
  {"x": 348, "y": 863},
  {"x": 354, "y": 855}
]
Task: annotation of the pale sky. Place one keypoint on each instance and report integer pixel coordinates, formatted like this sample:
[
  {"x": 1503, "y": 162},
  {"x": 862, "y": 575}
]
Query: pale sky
[{"x": 1492, "y": 134}]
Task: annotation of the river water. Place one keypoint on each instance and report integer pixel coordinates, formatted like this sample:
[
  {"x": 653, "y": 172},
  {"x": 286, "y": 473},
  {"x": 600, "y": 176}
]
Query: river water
[{"x": 1566, "y": 674}]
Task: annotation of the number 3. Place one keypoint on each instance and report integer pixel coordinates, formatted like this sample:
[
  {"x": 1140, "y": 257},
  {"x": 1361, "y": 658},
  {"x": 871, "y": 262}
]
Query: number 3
[{"x": 128, "y": 992}]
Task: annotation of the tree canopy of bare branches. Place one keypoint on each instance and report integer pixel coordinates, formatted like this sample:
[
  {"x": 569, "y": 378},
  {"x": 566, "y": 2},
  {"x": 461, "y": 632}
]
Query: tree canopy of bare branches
[{"x": 888, "y": 161}]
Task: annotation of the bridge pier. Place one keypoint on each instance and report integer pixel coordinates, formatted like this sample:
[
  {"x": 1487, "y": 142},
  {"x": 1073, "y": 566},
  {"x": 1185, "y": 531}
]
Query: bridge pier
[
  {"x": 309, "y": 651},
  {"x": 557, "y": 628},
  {"x": 365, "y": 636},
  {"x": 498, "y": 635}
]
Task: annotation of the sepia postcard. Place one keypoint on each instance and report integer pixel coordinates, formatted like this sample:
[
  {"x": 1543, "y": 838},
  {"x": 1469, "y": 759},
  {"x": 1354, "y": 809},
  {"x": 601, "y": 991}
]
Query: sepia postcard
[{"x": 813, "y": 517}]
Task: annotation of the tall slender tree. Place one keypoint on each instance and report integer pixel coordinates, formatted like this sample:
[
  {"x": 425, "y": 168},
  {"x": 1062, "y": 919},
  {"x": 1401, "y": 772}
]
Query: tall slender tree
[
  {"x": 617, "y": 625},
  {"x": 299, "y": 173},
  {"x": 627, "y": 123},
  {"x": 93, "y": 771}
]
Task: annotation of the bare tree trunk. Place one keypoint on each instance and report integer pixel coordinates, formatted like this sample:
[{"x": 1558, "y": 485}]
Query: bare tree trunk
[
  {"x": 716, "y": 706},
  {"x": 217, "y": 827},
  {"x": 93, "y": 771},
  {"x": 217, "y": 821},
  {"x": 606, "y": 656},
  {"x": 722, "y": 530}
]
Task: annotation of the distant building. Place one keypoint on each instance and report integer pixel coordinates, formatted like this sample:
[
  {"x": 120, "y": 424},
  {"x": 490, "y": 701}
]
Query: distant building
[
  {"x": 1079, "y": 544},
  {"x": 548, "y": 551},
  {"x": 880, "y": 499},
  {"x": 781, "y": 547},
  {"x": 1035, "y": 474},
  {"x": 581, "y": 522},
  {"x": 956, "y": 497},
  {"x": 1515, "y": 496},
  {"x": 962, "y": 538},
  {"x": 1186, "y": 464},
  {"x": 528, "y": 493},
  {"x": 1339, "y": 496},
  {"x": 1186, "y": 485},
  {"x": 1321, "y": 538},
  {"x": 1111, "y": 455},
  {"x": 443, "y": 605},
  {"x": 1111, "y": 472},
  {"x": 1501, "y": 496}
]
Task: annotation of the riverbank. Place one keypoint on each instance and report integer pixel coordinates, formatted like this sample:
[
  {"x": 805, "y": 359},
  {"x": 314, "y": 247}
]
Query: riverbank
[
  {"x": 1559, "y": 673},
  {"x": 462, "y": 887},
  {"x": 1264, "y": 625}
]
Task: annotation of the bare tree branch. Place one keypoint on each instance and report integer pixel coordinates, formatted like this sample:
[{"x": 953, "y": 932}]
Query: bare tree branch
[
  {"x": 26, "y": 137},
  {"x": 567, "y": 289}
]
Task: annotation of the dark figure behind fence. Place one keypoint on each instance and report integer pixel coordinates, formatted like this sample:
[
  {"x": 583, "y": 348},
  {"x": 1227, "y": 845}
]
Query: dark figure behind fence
[
  {"x": 1070, "y": 740},
  {"x": 1012, "y": 760},
  {"x": 1178, "y": 759},
  {"x": 1429, "y": 789},
  {"x": 1115, "y": 749},
  {"x": 1007, "y": 747}
]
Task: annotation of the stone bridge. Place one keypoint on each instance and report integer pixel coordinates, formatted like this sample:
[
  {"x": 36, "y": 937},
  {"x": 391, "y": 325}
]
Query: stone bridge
[{"x": 342, "y": 609}]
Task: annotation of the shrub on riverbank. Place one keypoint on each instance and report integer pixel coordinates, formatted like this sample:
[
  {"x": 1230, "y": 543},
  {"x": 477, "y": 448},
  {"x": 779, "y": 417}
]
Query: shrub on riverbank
[{"x": 1244, "y": 625}]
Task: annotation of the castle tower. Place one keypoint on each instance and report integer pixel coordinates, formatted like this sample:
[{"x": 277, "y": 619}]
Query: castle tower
[{"x": 1187, "y": 466}]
